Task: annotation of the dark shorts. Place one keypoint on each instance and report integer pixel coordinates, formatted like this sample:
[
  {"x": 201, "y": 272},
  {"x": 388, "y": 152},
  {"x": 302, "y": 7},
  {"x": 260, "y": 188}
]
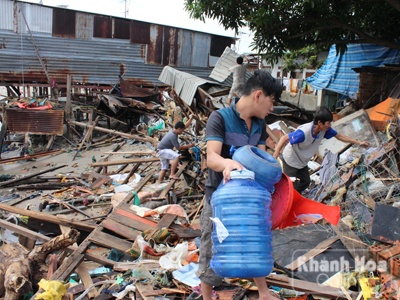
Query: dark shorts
[
  {"x": 205, "y": 273},
  {"x": 302, "y": 176}
]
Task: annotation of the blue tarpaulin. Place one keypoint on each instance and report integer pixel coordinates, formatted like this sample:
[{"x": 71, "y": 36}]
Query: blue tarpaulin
[{"x": 337, "y": 75}]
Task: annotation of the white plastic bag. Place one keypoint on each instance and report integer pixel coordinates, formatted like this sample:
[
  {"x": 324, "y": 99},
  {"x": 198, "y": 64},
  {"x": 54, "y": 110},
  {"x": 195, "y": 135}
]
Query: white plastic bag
[
  {"x": 222, "y": 232},
  {"x": 172, "y": 260}
]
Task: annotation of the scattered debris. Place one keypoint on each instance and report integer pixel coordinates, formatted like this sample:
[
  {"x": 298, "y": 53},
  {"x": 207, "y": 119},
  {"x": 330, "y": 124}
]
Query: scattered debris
[{"x": 90, "y": 184}]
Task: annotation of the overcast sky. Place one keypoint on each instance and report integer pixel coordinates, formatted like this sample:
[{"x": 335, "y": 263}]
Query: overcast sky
[{"x": 166, "y": 12}]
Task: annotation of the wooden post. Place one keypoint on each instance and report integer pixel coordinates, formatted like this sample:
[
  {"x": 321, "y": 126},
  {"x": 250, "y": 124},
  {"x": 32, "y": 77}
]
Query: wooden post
[
  {"x": 68, "y": 108},
  {"x": 3, "y": 129}
]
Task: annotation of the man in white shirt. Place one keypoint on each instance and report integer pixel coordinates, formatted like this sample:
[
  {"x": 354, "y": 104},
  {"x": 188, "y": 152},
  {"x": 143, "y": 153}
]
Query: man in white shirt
[
  {"x": 304, "y": 142},
  {"x": 239, "y": 77}
]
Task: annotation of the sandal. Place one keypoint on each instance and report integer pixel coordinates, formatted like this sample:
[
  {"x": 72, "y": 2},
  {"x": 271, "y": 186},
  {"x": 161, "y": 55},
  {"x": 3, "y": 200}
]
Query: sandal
[{"x": 174, "y": 177}]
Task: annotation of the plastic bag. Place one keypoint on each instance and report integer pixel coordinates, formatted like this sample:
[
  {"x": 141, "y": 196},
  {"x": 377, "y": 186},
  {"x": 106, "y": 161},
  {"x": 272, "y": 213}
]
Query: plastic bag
[
  {"x": 172, "y": 260},
  {"x": 54, "y": 290},
  {"x": 222, "y": 232}
]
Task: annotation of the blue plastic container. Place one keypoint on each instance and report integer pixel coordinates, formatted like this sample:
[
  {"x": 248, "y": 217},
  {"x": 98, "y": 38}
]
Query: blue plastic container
[
  {"x": 267, "y": 169},
  {"x": 242, "y": 205}
]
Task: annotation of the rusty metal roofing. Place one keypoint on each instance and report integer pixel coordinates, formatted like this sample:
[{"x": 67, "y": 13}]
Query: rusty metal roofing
[
  {"x": 221, "y": 71},
  {"x": 185, "y": 84},
  {"x": 95, "y": 62},
  {"x": 35, "y": 121},
  {"x": 93, "y": 48},
  {"x": 130, "y": 90}
]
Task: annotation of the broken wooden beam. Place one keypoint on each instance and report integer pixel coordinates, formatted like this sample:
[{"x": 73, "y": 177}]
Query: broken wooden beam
[
  {"x": 122, "y": 162},
  {"x": 351, "y": 241},
  {"x": 6, "y": 183},
  {"x": 86, "y": 137},
  {"x": 47, "y": 217},
  {"x": 172, "y": 181},
  {"x": 36, "y": 155},
  {"x": 126, "y": 135},
  {"x": 307, "y": 287},
  {"x": 42, "y": 238},
  {"x": 321, "y": 247}
]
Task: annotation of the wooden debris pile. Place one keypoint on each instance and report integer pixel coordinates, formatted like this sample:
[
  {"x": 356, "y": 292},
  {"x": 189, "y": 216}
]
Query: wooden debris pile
[{"x": 141, "y": 238}]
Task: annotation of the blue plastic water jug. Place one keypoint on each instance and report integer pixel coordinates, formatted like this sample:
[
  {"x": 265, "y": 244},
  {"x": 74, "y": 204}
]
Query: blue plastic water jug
[
  {"x": 267, "y": 169},
  {"x": 243, "y": 207}
]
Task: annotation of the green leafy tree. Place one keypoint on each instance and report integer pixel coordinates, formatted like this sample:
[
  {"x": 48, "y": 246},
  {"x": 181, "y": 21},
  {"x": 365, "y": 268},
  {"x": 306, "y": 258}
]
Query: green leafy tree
[
  {"x": 309, "y": 54},
  {"x": 284, "y": 25}
]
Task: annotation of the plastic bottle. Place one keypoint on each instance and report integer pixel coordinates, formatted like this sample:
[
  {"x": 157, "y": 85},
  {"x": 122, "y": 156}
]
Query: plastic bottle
[{"x": 243, "y": 207}]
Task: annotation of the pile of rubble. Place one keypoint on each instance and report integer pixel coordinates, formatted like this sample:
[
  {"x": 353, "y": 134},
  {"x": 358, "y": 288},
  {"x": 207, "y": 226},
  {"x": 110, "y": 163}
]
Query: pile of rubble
[{"x": 89, "y": 220}]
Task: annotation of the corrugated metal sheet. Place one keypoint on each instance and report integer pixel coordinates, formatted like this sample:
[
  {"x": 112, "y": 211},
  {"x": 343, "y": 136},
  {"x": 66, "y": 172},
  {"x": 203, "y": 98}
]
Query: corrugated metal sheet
[
  {"x": 96, "y": 61},
  {"x": 165, "y": 45},
  {"x": 84, "y": 26},
  {"x": 201, "y": 49},
  {"x": 185, "y": 48},
  {"x": 140, "y": 32},
  {"x": 102, "y": 27},
  {"x": 6, "y": 14},
  {"x": 64, "y": 22},
  {"x": 39, "y": 18},
  {"x": 154, "y": 50},
  {"x": 185, "y": 84},
  {"x": 35, "y": 121},
  {"x": 170, "y": 51},
  {"x": 221, "y": 70},
  {"x": 122, "y": 29}
]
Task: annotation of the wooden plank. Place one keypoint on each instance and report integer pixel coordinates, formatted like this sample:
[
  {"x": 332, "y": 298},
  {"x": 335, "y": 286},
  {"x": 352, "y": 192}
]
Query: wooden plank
[
  {"x": 126, "y": 221},
  {"x": 6, "y": 183},
  {"x": 42, "y": 238},
  {"x": 99, "y": 182},
  {"x": 122, "y": 162},
  {"x": 166, "y": 221},
  {"x": 109, "y": 241},
  {"x": 137, "y": 153},
  {"x": 142, "y": 288},
  {"x": 163, "y": 292},
  {"x": 131, "y": 215},
  {"x": 48, "y": 218},
  {"x": 82, "y": 270},
  {"x": 142, "y": 183},
  {"x": 351, "y": 241},
  {"x": 36, "y": 155},
  {"x": 69, "y": 265},
  {"x": 131, "y": 172},
  {"x": 120, "y": 229},
  {"x": 150, "y": 265},
  {"x": 172, "y": 181},
  {"x": 119, "y": 146},
  {"x": 86, "y": 137},
  {"x": 308, "y": 287},
  {"x": 125, "y": 135},
  {"x": 321, "y": 247},
  {"x": 191, "y": 173}
]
